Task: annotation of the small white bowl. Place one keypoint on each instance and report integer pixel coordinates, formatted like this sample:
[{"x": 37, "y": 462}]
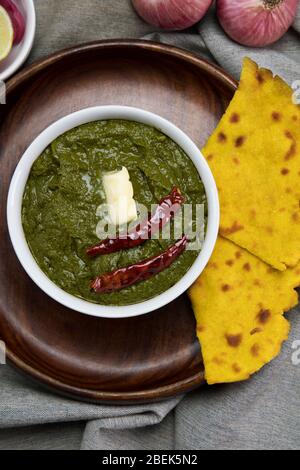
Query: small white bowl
[
  {"x": 20, "y": 52},
  {"x": 17, "y": 186}
]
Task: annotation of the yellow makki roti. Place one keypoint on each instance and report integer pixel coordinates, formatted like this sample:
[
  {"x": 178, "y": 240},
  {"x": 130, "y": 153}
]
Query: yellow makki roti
[
  {"x": 239, "y": 302},
  {"x": 240, "y": 298}
]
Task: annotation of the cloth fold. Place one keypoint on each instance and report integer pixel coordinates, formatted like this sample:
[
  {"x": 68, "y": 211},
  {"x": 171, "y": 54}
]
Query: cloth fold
[
  {"x": 24, "y": 403},
  {"x": 263, "y": 413},
  {"x": 260, "y": 414}
]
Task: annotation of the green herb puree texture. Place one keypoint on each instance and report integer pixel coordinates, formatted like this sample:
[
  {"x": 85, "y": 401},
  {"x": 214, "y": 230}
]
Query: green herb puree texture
[{"x": 65, "y": 188}]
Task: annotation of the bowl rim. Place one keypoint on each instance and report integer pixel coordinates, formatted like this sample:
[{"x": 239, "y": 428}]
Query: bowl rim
[
  {"x": 26, "y": 44},
  {"x": 17, "y": 186}
]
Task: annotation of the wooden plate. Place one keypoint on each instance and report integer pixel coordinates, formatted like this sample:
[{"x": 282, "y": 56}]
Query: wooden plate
[{"x": 137, "y": 359}]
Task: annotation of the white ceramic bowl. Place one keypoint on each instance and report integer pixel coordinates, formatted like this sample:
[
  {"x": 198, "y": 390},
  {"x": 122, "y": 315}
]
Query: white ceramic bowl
[
  {"x": 15, "y": 196},
  {"x": 20, "y": 52}
]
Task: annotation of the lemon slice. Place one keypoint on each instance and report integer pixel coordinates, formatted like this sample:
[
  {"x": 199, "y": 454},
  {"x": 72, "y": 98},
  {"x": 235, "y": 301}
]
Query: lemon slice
[{"x": 6, "y": 33}]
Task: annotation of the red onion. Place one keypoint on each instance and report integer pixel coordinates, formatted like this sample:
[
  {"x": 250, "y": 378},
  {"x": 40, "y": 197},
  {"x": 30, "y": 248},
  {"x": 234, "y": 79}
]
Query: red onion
[
  {"x": 172, "y": 14},
  {"x": 17, "y": 19},
  {"x": 256, "y": 23}
]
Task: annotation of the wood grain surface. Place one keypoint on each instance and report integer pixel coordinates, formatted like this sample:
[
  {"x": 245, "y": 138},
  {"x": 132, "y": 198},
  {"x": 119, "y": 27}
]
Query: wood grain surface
[{"x": 127, "y": 360}]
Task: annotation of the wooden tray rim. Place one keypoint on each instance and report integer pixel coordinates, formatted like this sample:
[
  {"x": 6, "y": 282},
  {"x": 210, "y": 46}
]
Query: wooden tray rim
[{"x": 94, "y": 396}]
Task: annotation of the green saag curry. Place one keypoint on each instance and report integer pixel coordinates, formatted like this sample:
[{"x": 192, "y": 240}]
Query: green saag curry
[{"x": 65, "y": 189}]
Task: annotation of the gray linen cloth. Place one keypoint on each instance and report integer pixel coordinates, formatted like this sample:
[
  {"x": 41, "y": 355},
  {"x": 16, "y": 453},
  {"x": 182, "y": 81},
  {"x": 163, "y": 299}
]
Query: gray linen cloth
[{"x": 263, "y": 413}]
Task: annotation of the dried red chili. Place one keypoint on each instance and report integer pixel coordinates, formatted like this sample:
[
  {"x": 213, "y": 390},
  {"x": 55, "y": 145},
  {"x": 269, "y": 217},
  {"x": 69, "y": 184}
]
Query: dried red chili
[
  {"x": 166, "y": 209},
  {"x": 126, "y": 277}
]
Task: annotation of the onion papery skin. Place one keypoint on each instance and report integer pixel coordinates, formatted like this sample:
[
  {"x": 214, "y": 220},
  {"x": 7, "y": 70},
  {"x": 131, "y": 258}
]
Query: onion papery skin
[
  {"x": 256, "y": 23},
  {"x": 172, "y": 15}
]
